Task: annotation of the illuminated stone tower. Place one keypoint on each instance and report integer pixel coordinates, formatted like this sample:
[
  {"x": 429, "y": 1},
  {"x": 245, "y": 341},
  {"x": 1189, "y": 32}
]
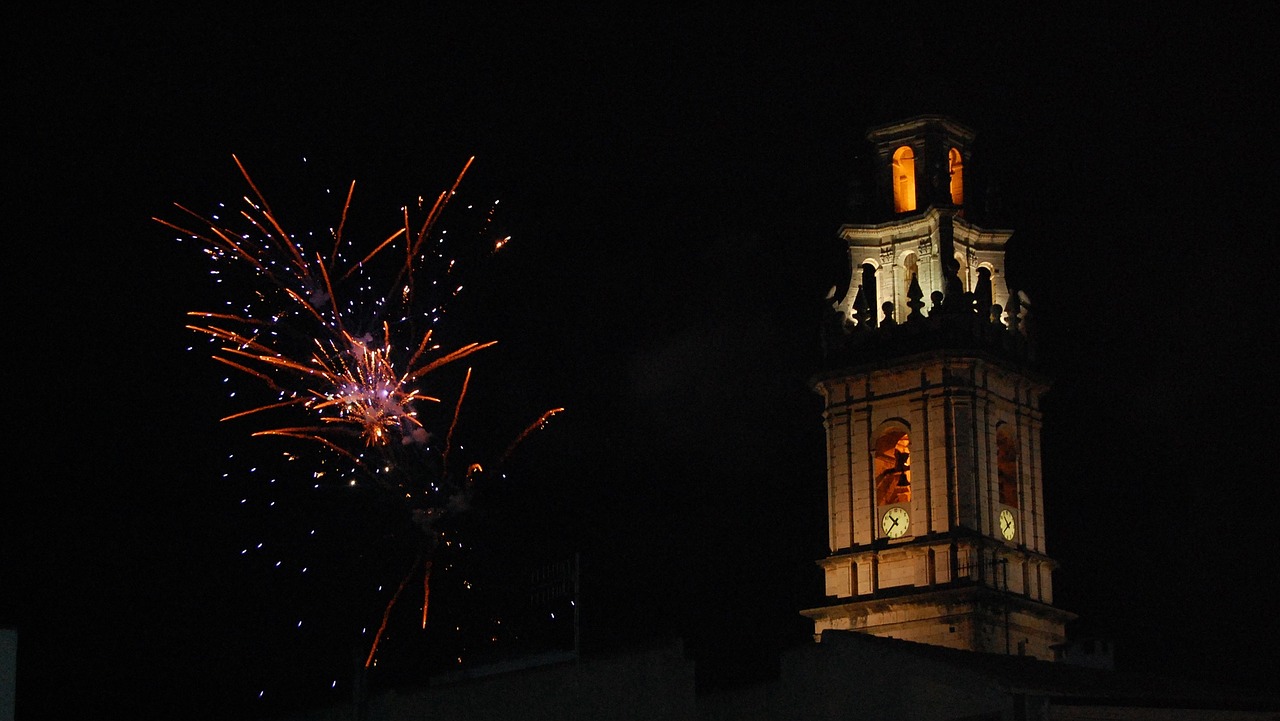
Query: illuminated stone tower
[{"x": 932, "y": 416}]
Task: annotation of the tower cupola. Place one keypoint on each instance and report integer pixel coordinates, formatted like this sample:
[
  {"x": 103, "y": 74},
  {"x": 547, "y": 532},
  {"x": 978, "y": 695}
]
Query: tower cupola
[
  {"x": 921, "y": 254},
  {"x": 920, "y": 163}
]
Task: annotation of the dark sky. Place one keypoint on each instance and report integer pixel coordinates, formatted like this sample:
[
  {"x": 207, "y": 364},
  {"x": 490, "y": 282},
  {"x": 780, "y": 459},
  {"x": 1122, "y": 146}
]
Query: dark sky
[{"x": 673, "y": 181}]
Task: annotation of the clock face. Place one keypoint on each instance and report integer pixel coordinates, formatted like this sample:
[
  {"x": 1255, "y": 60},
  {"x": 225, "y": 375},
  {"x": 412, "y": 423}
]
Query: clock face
[
  {"x": 895, "y": 522},
  {"x": 1007, "y": 527}
]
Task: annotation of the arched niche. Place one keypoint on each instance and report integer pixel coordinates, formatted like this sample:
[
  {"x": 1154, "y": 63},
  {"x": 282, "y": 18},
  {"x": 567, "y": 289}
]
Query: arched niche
[
  {"x": 982, "y": 288},
  {"x": 1007, "y": 465},
  {"x": 867, "y": 277},
  {"x": 892, "y": 458},
  {"x": 910, "y": 269},
  {"x": 904, "y": 180},
  {"x": 955, "y": 165}
]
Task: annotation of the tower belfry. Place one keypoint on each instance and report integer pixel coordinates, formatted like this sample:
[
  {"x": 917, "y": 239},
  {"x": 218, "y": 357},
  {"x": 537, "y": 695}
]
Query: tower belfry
[{"x": 932, "y": 417}]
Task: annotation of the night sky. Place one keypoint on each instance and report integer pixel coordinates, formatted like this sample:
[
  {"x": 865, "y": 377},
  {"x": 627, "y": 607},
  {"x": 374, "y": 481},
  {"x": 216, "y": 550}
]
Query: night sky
[{"x": 673, "y": 182}]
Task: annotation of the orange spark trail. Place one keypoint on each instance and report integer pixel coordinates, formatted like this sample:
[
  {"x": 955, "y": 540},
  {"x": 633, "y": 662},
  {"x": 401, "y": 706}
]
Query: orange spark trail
[
  {"x": 441, "y": 202},
  {"x": 426, "y": 592},
  {"x": 259, "y": 409},
  {"x": 386, "y": 613},
  {"x": 337, "y": 235},
  {"x": 271, "y": 217},
  {"x": 375, "y": 251},
  {"x": 457, "y": 410},
  {"x": 458, "y": 354},
  {"x": 333, "y": 299},
  {"x": 524, "y": 434}
]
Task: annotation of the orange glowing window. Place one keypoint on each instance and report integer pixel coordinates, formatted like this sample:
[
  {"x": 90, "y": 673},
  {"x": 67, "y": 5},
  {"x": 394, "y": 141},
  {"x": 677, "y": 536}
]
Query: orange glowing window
[
  {"x": 904, "y": 180},
  {"x": 1007, "y": 466},
  {"x": 893, "y": 467},
  {"x": 956, "y": 165}
]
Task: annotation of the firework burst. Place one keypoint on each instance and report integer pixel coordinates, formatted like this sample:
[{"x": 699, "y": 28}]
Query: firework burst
[{"x": 346, "y": 349}]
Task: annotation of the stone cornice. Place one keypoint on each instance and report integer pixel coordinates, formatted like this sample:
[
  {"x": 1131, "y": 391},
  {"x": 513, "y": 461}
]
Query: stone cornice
[
  {"x": 954, "y": 597},
  {"x": 873, "y": 364},
  {"x": 918, "y": 125},
  {"x": 922, "y": 543}
]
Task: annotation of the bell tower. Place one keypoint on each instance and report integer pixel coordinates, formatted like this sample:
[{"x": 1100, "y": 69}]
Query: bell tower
[{"x": 932, "y": 417}]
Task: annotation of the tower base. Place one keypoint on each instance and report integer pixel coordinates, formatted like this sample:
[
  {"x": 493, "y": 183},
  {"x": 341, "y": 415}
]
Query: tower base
[{"x": 973, "y": 618}]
